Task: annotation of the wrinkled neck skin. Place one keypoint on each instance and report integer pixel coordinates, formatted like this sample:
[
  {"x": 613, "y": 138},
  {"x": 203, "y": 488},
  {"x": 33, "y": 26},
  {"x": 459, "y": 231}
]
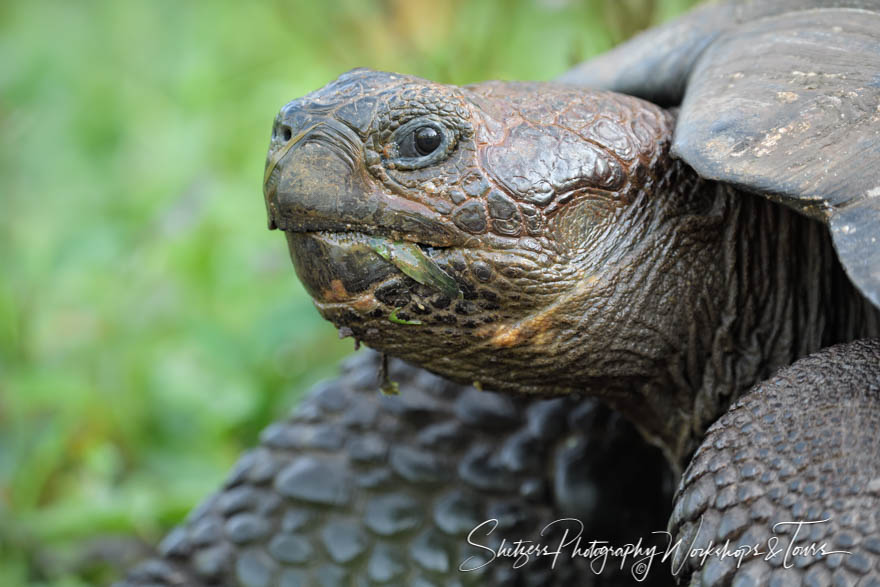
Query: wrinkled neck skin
[{"x": 722, "y": 300}]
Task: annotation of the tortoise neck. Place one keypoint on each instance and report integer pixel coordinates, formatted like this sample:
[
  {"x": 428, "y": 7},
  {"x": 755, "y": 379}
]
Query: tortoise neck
[
  {"x": 773, "y": 292},
  {"x": 788, "y": 296}
]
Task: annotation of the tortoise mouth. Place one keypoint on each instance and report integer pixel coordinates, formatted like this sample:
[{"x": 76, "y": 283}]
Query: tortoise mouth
[
  {"x": 347, "y": 267},
  {"x": 336, "y": 267}
]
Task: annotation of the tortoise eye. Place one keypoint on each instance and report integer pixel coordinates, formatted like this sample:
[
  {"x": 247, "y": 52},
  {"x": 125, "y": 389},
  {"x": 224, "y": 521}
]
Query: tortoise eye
[
  {"x": 419, "y": 140},
  {"x": 427, "y": 139},
  {"x": 422, "y": 142}
]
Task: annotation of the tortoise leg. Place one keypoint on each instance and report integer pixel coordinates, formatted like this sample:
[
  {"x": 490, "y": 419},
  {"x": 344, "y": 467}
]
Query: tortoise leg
[
  {"x": 801, "y": 447},
  {"x": 356, "y": 488}
]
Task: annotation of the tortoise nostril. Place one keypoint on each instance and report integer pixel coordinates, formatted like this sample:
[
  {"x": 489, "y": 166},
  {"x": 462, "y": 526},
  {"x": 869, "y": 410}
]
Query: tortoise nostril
[{"x": 286, "y": 133}]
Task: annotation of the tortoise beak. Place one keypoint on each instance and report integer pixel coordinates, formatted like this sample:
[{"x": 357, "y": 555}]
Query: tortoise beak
[
  {"x": 270, "y": 177},
  {"x": 312, "y": 181},
  {"x": 317, "y": 181}
]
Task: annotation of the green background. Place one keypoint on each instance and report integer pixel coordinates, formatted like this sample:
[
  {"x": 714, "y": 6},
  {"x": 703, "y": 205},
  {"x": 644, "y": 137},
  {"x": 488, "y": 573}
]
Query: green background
[{"x": 150, "y": 325}]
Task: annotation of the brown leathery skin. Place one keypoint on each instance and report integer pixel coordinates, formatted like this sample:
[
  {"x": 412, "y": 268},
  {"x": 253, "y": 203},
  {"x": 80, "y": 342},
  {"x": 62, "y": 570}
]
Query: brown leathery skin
[
  {"x": 801, "y": 447},
  {"x": 587, "y": 258}
]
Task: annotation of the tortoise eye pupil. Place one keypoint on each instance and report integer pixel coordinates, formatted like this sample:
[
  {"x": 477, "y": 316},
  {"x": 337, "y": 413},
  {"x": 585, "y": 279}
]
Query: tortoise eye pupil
[{"x": 427, "y": 140}]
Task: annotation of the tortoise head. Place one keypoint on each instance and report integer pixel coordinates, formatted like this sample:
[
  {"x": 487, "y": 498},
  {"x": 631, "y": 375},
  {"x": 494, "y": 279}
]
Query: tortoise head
[{"x": 487, "y": 232}]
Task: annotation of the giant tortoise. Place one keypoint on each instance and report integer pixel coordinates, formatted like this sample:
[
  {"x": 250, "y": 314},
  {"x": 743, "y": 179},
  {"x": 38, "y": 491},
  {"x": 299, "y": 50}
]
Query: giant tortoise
[{"x": 700, "y": 255}]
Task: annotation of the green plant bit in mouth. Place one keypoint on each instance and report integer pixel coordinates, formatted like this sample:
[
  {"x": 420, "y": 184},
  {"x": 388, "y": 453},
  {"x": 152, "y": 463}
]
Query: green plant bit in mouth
[{"x": 413, "y": 262}]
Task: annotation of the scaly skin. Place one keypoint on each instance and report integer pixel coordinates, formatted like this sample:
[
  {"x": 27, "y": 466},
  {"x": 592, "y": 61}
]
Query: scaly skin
[
  {"x": 359, "y": 489},
  {"x": 802, "y": 447},
  {"x": 588, "y": 259},
  {"x": 355, "y": 488}
]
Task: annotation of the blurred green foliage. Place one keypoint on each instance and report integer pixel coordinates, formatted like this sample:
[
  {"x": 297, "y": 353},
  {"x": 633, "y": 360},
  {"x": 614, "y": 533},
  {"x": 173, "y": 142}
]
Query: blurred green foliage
[{"x": 150, "y": 325}]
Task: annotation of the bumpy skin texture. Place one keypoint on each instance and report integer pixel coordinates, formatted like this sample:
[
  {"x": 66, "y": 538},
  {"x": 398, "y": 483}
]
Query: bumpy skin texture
[
  {"x": 586, "y": 257},
  {"x": 360, "y": 489},
  {"x": 778, "y": 97},
  {"x": 802, "y": 446}
]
